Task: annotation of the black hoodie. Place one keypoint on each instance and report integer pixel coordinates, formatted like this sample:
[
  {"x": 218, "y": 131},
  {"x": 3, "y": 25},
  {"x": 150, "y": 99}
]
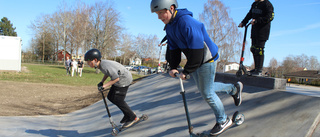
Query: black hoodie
[{"x": 262, "y": 12}]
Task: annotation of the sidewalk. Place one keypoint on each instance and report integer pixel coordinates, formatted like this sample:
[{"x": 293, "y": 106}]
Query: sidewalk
[
  {"x": 304, "y": 90},
  {"x": 268, "y": 113}
]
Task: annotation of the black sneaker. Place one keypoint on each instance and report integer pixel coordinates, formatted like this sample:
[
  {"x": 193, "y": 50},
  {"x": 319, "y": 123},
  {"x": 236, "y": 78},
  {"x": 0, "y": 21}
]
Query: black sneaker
[
  {"x": 220, "y": 127},
  {"x": 251, "y": 71},
  {"x": 124, "y": 119},
  {"x": 256, "y": 73},
  {"x": 130, "y": 123},
  {"x": 237, "y": 97}
]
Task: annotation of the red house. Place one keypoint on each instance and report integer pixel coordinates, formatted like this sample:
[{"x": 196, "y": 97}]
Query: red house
[{"x": 60, "y": 55}]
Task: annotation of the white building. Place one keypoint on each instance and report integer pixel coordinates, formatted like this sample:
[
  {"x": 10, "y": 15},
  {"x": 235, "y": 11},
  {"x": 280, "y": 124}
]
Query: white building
[
  {"x": 135, "y": 61},
  {"x": 231, "y": 66},
  {"x": 10, "y": 53}
]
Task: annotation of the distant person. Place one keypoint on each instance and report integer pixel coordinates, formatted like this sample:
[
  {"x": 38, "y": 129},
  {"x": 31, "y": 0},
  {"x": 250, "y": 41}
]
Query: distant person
[
  {"x": 188, "y": 35},
  {"x": 74, "y": 67},
  {"x": 67, "y": 65},
  {"x": 139, "y": 70},
  {"x": 121, "y": 78},
  {"x": 80, "y": 67},
  {"x": 262, "y": 14},
  {"x": 150, "y": 70}
]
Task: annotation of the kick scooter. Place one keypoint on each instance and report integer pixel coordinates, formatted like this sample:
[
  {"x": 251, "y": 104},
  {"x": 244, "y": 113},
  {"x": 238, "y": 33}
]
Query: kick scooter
[
  {"x": 163, "y": 40},
  {"x": 242, "y": 69},
  {"x": 237, "y": 118},
  {"x": 117, "y": 129}
]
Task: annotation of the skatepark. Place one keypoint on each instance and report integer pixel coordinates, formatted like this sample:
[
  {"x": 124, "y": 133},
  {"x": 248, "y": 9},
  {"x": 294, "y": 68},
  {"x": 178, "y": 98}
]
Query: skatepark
[{"x": 270, "y": 111}]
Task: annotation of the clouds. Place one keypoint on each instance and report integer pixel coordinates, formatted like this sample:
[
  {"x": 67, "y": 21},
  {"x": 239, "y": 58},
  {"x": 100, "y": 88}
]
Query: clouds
[
  {"x": 309, "y": 4},
  {"x": 295, "y": 31}
]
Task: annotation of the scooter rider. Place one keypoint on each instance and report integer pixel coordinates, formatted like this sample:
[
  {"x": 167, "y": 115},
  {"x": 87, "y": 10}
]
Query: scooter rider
[
  {"x": 121, "y": 78},
  {"x": 188, "y": 35}
]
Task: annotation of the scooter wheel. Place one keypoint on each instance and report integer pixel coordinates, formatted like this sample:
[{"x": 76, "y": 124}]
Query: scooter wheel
[
  {"x": 239, "y": 119},
  {"x": 145, "y": 117},
  {"x": 239, "y": 73},
  {"x": 114, "y": 132}
]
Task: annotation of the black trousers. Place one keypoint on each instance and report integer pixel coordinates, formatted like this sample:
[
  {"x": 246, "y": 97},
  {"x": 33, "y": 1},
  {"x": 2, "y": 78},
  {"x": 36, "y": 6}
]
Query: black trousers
[
  {"x": 258, "y": 58},
  {"x": 117, "y": 95}
]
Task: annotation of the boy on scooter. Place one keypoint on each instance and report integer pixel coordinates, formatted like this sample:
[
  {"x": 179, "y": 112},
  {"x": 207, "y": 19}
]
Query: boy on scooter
[
  {"x": 188, "y": 35},
  {"x": 121, "y": 78}
]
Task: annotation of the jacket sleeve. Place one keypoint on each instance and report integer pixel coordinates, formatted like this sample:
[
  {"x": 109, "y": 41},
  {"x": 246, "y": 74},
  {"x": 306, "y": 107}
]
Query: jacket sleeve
[
  {"x": 175, "y": 58},
  {"x": 248, "y": 17},
  {"x": 174, "y": 54},
  {"x": 194, "y": 60}
]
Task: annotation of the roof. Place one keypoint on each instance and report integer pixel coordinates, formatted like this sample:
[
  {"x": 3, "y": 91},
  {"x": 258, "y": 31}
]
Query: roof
[
  {"x": 306, "y": 73},
  {"x": 61, "y": 50}
]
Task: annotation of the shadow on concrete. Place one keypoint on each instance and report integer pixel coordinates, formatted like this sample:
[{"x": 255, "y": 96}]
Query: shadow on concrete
[{"x": 69, "y": 133}]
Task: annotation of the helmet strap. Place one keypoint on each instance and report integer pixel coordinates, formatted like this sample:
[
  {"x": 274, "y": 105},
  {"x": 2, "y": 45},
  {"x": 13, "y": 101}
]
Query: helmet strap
[{"x": 172, "y": 17}]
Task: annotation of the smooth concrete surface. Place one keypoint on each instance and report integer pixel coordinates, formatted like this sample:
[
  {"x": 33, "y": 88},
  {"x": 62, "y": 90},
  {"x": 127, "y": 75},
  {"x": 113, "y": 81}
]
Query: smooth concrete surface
[{"x": 268, "y": 113}]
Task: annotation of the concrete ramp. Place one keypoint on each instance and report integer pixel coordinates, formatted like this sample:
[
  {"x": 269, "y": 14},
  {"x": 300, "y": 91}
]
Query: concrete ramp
[{"x": 268, "y": 113}]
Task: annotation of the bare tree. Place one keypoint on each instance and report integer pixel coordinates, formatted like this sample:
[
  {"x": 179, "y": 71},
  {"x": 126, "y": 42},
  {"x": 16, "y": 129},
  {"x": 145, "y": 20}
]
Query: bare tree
[
  {"x": 41, "y": 29},
  {"x": 222, "y": 30},
  {"x": 78, "y": 28},
  {"x": 302, "y": 60},
  {"x": 125, "y": 47},
  {"x": 55, "y": 32},
  {"x": 314, "y": 63},
  {"x": 146, "y": 46},
  {"x": 289, "y": 65},
  {"x": 106, "y": 29},
  {"x": 273, "y": 66},
  {"x": 64, "y": 16}
]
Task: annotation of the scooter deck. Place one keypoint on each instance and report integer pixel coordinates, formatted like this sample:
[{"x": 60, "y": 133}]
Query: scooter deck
[{"x": 144, "y": 117}]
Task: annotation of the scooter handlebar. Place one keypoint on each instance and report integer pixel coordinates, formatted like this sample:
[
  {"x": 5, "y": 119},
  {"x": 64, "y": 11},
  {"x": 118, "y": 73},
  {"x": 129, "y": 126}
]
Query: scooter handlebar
[
  {"x": 248, "y": 24},
  {"x": 178, "y": 75}
]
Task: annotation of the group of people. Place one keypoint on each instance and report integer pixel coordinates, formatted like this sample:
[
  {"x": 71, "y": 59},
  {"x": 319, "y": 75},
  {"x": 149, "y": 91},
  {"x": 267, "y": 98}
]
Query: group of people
[
  {"x": 188, "y": 35},
  {"x": 74, "y": 66}
]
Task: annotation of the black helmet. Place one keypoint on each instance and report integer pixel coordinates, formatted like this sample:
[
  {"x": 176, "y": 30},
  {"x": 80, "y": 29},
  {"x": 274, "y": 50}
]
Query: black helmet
[
  {"x": 92, "y": 54},
  {"x": 157, "y": 5}
]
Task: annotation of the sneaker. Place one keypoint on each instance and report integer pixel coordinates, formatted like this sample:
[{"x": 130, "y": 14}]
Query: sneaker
[
  {"x": 124, "y": 119},
  {"x": 256, "y": 73},
  {"x": 220, "y": 127},
  {"x": 251, "y": 71},
  {"x": 237, "y": 97},
  {"x": 130, "y": 123}
]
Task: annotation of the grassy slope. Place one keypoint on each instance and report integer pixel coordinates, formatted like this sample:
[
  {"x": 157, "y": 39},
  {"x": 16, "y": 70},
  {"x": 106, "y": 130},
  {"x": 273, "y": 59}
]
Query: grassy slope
[{"x": 55, "y": 74}]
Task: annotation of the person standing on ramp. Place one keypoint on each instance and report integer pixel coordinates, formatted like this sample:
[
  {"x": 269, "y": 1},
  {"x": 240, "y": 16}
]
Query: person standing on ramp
[{"x": 262, "y": 14}]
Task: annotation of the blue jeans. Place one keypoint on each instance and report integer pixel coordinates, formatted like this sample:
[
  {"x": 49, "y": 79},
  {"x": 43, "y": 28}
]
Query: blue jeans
[{"x": 204, "y": 78}]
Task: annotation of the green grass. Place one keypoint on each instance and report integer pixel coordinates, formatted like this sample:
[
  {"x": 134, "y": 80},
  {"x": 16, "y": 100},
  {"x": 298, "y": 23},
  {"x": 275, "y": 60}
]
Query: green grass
[{"x": 54, "y": 74}]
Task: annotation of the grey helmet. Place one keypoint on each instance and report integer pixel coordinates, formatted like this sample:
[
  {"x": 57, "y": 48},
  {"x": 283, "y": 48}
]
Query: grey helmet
[
  {"x": 92, "y": 54},
  {"x": 157, "y": 5}
]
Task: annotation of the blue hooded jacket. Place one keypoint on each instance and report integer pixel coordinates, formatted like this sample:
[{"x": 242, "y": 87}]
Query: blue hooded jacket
[{"x": 189, "y": 35}]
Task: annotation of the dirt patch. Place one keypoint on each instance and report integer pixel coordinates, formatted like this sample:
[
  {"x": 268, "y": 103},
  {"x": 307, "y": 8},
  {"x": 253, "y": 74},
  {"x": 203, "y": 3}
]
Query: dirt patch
[{"x": 29, "y": 99}]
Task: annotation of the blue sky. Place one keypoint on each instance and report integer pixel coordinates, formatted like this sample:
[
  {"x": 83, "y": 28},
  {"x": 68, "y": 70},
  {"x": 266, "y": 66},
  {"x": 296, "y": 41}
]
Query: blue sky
[{"x": 294, "y": 31}]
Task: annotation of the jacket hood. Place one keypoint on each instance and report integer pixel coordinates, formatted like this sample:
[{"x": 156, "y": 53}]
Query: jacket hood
[{"x": 182, "y": 12}]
